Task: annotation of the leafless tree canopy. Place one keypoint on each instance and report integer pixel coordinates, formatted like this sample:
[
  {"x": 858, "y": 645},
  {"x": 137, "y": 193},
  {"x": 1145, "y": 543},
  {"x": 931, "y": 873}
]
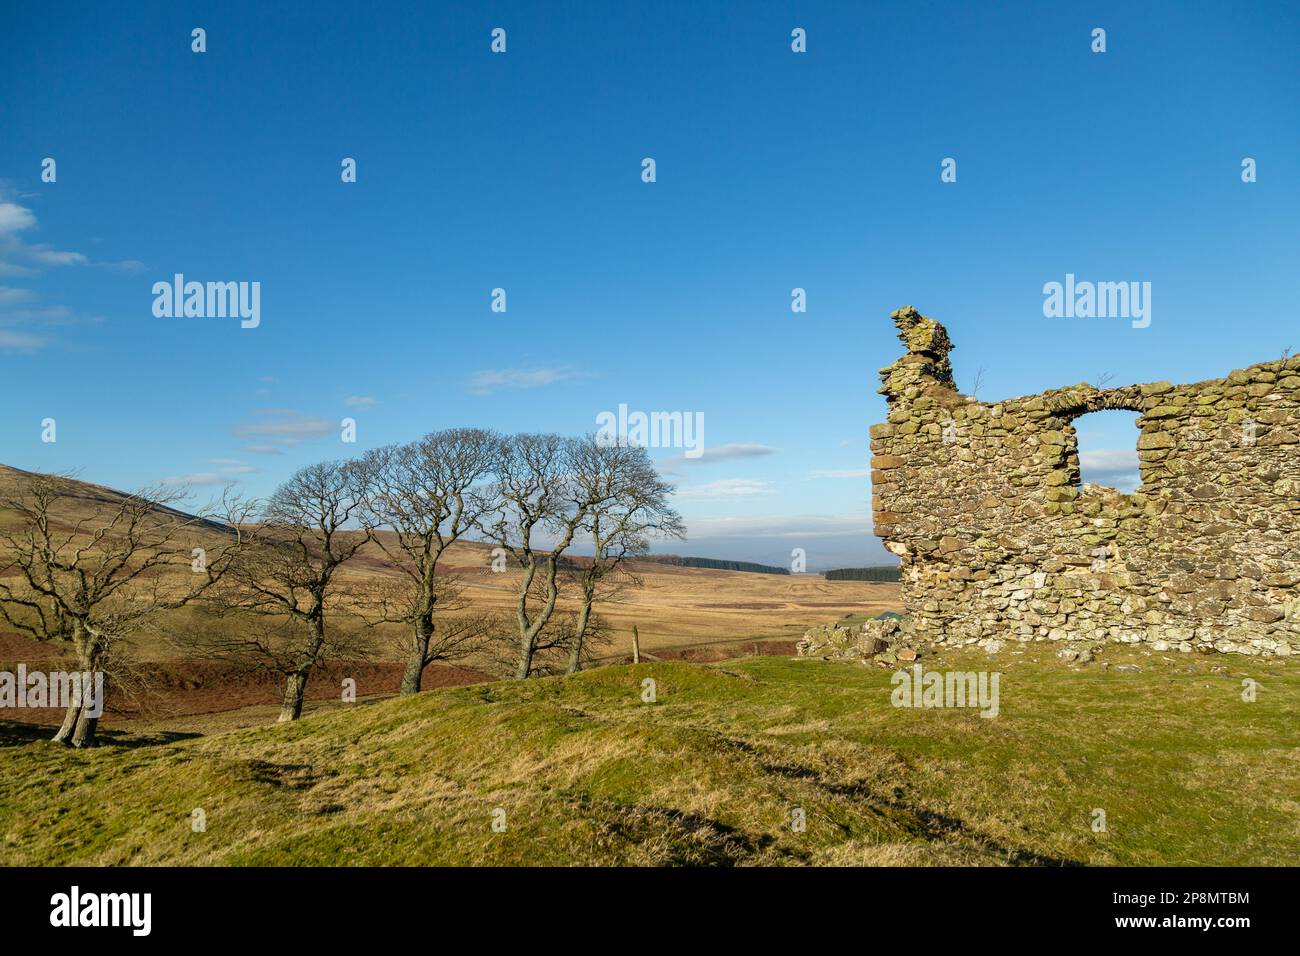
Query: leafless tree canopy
[
  {"x": 292, "y": 576},
  {"x": 88, "y": 572},
  {"x": 628, "y": 508},
  {"x": 420, "y": 498},
  {"x": 89, "y": 569},
  {"x": 550, "y": 490}
]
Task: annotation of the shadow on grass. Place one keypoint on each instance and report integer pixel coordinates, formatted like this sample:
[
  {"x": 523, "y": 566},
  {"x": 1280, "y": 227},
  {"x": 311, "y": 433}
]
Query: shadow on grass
[
  {"x": 17, "y": 734},
  {"x": 922, "y": 822}
]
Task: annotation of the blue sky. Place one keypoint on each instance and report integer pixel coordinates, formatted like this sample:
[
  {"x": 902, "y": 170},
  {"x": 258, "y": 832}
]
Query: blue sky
[{"x": 522, "y": 171}]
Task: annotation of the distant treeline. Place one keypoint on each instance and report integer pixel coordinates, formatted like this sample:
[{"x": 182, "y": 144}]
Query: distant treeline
[
  {"x": 714, "y": 563},
  {"x": 888, "y": 572}
]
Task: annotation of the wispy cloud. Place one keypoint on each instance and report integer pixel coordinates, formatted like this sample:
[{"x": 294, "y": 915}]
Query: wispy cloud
[
  {"x": 279, "y": 428},
  {"x": 782, "y": 526},
  {"x": 360, "y": 401},
  {"x": 1109, "y": 459},
  {"x": 840, "y": 473},
  {"x": 725, "y": 488},
  {"x": 733, "y": 451},
  {"x": 491, "y": 380},
  {"x": 125, "y": 265},
  {"x": 196, "y": 479},
  {"x": 20, "y": 342},
  {"x": 826, "y": 540},
  {"x": 15, "y": 218},
  {"x": 20, "y": 258},
  {"x": 227, "y": 469},
  {"x": 232, "y": 466},
  {"x": 46, "y": 256},
  {"x": 1116, "y": 467}
]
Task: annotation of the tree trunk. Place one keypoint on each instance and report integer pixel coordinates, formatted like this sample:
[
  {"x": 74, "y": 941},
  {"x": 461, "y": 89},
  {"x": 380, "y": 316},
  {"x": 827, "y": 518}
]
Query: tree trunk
[
  {"x": 417, "y": 658},
  {"x": 579, "y": 634},
  {"x": 526, "y": 649},
  {"x": 295, "y": 684},
  {"x": 413, "y": 674},
  {"x": 84, "y": 735},
  {"x": 295, "y": 690},
  {"x": 636, "y": 646},
  {"x": 78, "y": 727},
  {"x": 70, "y": 718}
]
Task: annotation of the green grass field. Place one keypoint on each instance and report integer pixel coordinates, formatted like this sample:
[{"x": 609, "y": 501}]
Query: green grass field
[{"x": 710, "y": 773}]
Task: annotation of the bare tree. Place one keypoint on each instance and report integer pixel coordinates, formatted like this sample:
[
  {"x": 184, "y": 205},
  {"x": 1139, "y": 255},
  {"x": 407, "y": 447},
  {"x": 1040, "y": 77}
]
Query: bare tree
[
  {"x": 460, "y": 630},
  {"x": 292, "y": 577},
  {"x": 628, "y": 506},
  {"x": 89, "y": 569},
  {"x": 538, "y": 509},
  {"x": 421, "y": 498}
]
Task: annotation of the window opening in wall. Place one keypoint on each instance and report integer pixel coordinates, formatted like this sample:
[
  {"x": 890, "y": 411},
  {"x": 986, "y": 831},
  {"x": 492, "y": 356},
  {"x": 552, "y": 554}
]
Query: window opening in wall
[{"x": 1107, "y": 442}]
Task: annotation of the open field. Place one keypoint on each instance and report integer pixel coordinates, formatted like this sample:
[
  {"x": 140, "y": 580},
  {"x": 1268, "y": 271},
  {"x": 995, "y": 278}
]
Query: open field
[
  {"x": 676, "y": 607},
  {"x": 586, "y": 772}
]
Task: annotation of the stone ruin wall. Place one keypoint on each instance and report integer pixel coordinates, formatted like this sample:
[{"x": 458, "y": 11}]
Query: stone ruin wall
[{"x": 982, "y": 504}]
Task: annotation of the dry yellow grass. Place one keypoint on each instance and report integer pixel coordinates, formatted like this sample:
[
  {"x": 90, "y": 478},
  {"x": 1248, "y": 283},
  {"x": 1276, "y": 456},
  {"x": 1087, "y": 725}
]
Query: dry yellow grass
[{"x": 678, "y": 607}]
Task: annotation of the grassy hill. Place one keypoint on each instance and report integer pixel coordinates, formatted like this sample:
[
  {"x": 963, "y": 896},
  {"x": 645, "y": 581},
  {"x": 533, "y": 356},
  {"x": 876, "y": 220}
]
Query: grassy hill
[{"x": 587, "y": 773}]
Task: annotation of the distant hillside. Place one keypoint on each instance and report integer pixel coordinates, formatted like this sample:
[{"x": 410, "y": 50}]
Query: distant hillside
[
  {"x": 675, "y": 601},
  {"x": 715, "y": 564},
  {"x": 886, "y": 572},
  {"x": 88, "y": 500}
]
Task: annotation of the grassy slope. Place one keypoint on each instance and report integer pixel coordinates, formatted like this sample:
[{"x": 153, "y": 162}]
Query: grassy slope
[{"x": 1186, "y": 771}]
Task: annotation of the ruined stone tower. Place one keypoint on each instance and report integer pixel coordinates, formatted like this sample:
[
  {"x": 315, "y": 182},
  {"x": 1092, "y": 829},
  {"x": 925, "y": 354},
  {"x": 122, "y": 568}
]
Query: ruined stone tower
[{"x": 982, "y": 504}]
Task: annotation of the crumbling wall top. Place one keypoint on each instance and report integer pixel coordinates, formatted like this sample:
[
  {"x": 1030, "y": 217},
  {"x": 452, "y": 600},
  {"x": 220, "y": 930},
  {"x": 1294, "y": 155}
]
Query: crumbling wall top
[{"x": 926, "y": 363}]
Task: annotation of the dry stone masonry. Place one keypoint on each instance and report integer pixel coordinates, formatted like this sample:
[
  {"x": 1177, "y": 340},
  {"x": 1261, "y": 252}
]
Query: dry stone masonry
[{"x": 982, "y": 504}]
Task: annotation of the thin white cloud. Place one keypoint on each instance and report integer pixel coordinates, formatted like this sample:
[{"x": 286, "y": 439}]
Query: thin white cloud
[
  {"x": 491, "y": 380},
  {"x": 232, "y": 466},
  {"x": 840, "y": 473},
  {"x": 360, "y": 401},
  {"x": 196, "y": 479},
  {"x": 732, "y": 451},
  {"x": 14, "y": 218},
  {"x": 782, "y": 526},
  {"x": 281, "y": 427},
  {"x": 1109, "y": 459},
  {"x": 21, "y": 258},
  {"x": 1115, "y": 467},
  {"x": 126, "y": 265},
  {"x": 20, "y": 342},
  {"x": 725, "y": 488},
  {"x": 44, "y": 255}
]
